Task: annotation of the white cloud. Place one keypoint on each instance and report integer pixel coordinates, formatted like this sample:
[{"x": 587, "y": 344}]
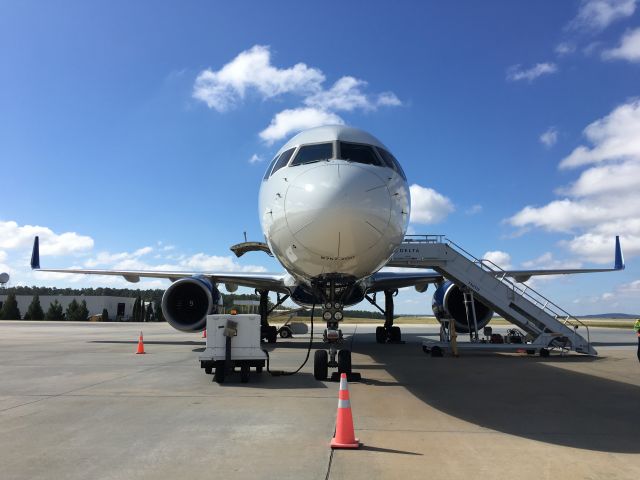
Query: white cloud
[
  {"x": 428, "y": 206},
  {"x": 346, "y": 94},
  {"x": 516, "y": 73},
  {"x": 252, "y": 69},
  {"x": 214, "y": 263},
  {"x": 297, "y": 119},
  {"x": 124, "y": 260},
  {"x": 255, "y": 158},
  {"x": 614, "y": 137},
  {"x": 474, "y": 210},
  {"x": 199, "y": 262},
  {"x": 549, "y": 137},
  {"x": 499, "y": 258},
  {"x": 603, "y": 201},
  {"x": 547, "y": 261},
  {"x": 629, "y": 48},
  {"x": 596, "y": 15},
  {"x": 388, "y": 99},
  {"x": 14, "y": 236},
  {"x": 565, "y": 48}
]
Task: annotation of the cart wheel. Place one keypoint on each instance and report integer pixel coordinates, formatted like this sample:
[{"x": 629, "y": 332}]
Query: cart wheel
[
  {"x": 208, "y": 370},
  {"x": 285, "y": 332},
  {"x": 436, "y": 351},
  {"x": 425, "y": 349},
  {"x": 321, "y": 365},
  {"x": 244, "y": 373},
  {"x": 544, "y": 352},
  {"x": 219, "y": 375},
  {"x": 259, "y": 369},
  {"x": 344, "y": 361}
]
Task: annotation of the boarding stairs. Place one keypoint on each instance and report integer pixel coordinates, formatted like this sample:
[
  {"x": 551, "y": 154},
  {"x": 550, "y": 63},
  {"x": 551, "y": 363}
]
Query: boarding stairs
[{"x": 518, "y": 303}]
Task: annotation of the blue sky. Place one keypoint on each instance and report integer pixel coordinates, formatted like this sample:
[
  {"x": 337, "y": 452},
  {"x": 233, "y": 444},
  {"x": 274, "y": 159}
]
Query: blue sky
[{"x": 128, "y": 129}]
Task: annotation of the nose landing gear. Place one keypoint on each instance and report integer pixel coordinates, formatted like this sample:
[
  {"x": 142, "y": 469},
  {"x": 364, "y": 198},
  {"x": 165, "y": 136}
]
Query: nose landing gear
[{"x": 333, "y": 356}]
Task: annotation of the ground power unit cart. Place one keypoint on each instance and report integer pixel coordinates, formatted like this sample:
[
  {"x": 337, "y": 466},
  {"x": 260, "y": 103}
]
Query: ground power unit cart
[{"x": 233, "y": 342}]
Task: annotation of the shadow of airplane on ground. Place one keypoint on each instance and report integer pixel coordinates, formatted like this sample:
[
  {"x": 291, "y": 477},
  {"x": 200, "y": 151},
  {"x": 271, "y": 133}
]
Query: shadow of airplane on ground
[{"x": 526, "y": 396}]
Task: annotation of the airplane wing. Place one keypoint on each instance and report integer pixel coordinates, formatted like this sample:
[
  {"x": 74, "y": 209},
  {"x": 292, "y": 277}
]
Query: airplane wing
[
  {"x": 390, "y": 280},
  {"x": 524, "y": 275},
  {"x": 270, "y": 281}
]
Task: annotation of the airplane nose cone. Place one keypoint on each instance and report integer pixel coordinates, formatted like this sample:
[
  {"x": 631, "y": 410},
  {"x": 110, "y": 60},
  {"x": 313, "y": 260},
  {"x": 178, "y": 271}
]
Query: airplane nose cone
[{"x": 338, "y": 210}]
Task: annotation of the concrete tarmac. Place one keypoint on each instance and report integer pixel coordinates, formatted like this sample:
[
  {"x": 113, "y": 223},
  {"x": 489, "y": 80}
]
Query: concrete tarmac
[{"x": 77, "y": 403}]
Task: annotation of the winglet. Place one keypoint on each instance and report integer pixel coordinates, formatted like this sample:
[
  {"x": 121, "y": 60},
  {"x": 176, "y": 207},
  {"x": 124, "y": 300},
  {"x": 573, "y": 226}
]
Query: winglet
[
  {"x": 35, "y": 254},
  {"x": 619, "y": 264}
]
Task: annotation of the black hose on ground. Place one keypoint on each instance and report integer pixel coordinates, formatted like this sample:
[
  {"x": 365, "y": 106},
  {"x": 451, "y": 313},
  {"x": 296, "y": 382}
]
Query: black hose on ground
[{"x": 281, "y": 373}]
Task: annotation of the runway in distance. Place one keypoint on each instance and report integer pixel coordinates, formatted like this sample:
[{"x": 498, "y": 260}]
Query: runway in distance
[{"x": 334, "y": 205}]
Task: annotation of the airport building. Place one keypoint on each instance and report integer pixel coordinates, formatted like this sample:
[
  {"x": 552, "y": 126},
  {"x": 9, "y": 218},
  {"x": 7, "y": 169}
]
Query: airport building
[{"x": 116, "y": 306}]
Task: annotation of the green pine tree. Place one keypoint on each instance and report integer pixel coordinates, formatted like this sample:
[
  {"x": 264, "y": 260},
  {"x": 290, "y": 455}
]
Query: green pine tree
[
  {"x": 54, "y": 312},
  {"x": 35, "y": 312},
  {"x": 105, "y": 315},
  {"x": 72, "y": 311},
  {"x": 10, "y": 310},
  {"x": 83, "y": 312},
  {"x": 135, "y": 313},
  {"x": 158, "y": 312}
]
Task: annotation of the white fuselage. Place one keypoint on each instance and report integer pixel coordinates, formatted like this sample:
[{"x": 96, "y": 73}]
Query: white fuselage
[{"x": 333, "y": 216}]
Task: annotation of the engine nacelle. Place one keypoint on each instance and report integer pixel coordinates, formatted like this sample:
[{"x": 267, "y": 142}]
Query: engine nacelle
[
  {"x": 448, "y": 304},
  {"x": 188, "y": 301}
]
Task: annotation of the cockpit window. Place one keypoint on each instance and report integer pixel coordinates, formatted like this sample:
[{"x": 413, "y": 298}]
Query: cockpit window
[
  {"x": 358, "y": 153},
  {"x": 391, "y": 161},
  {"x": 313, "y": 153},
  {"x": 283, "y": 159},
  {"x": 266, "y": 174}
]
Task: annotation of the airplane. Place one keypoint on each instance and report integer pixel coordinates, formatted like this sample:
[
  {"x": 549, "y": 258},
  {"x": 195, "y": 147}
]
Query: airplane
[{"x": 334, "y": 205}]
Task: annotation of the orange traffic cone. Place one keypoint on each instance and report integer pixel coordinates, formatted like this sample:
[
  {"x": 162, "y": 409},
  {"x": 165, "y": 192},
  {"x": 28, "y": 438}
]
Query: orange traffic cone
[
  {"x": 204, "y": 334},
  {"x": 344, "y": 437},
  {"x": 140, "y": 345}
]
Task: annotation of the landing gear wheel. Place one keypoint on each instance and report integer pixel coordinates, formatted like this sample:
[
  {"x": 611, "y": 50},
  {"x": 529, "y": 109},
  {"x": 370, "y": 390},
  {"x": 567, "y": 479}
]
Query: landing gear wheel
[
  {"x": 436, "y": 352},
  {"x": 344, "y": 361},
  {"x": 208, "y": 370},
  {"x": 244, "y": 373},
  {"x": 219, "y": 375},
  {"x": 544, "y": 352},
  {"x": 285, "y": 332},
  {"x": 395, "y": 335},
  {"x": 381, "y": 335},
  {"x": 321, "y": 365}
]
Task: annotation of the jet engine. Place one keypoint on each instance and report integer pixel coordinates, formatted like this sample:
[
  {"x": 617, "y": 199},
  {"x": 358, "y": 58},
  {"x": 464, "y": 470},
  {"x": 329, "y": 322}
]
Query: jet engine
[
  {"x": 448, "y": 304},
  {"x": 188, "y": 301}
]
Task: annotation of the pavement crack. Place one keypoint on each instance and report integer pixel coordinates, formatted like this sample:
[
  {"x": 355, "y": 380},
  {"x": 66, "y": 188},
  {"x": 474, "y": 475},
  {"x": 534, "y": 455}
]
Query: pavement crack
[{"x": 326, "y": 477}]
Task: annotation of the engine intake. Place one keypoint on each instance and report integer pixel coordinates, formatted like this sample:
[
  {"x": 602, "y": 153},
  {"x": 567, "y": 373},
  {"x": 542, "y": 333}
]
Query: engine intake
[
  {"x": 188, "y": 301},
  {"x": 448, "y": 304}
]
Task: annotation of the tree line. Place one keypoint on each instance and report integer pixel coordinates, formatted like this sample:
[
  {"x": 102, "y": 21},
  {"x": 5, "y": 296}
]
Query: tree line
[
  {"x": 146, "y": 307},
  {"x": 76, "y": 311}
]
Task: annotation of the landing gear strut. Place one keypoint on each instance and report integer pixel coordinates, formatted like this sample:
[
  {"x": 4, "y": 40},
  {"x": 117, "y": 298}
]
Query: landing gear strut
[
  {"x": 332, "y": 312},
  {"x": 388, "y": 333},
  {"x": 267, "y": 332}
]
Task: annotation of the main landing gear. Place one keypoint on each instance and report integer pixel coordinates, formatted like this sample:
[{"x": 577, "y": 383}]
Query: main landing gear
[
  {"x": 334, "y": 356},
  {"x": 268, "y": 332},
  {"x": 388, "y": 333}
]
